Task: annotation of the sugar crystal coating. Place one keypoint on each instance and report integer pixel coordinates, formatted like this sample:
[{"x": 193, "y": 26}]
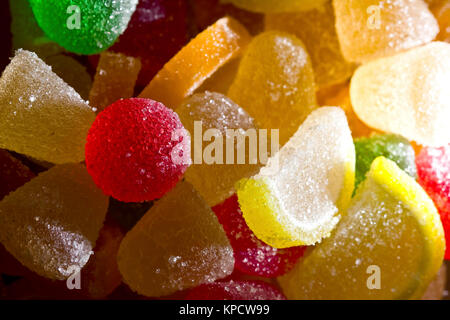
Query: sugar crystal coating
[
  {"x": 178, "y": 244},
  {"x": 198, "y": 60},
  {"x": 370, "y": 29},
  {"x": 295, "y": 199},
  {"x": 84, "y": 26},
  {"x": 275, "y": 83},
  {"x": 390, "y": 232},
  {"x": 40, "y": 115},
  {"x": 51, "y": 223},
  {"x": 236, "y": 290},
  {"x": 137, "y": 150},
  {"x": 268, "y": 6},
  {"x": 253, "y": 256},
  {"x": 215, "y": 181},
  {"x": 406, "y": 94}
]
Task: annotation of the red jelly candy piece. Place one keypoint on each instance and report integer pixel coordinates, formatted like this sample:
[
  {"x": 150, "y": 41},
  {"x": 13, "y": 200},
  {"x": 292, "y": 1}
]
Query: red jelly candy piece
[
  {"x": 433, "y": 170},
  {"x": 136, "y": 150},
  {"x": 236, "y": 290},
  {"x": 252, "y": 256}
]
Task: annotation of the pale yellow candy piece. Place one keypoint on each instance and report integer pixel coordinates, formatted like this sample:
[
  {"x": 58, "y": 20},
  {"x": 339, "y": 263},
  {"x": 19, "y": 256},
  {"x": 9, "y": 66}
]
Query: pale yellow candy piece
[
  {"x": 178, "y": 244},
  {"x": 370, "y": 29},
  {"x": 316, "y": 28},
  {"x": 268, "y": 6},
  {"x": 275, "y": 83},
  {"x": 215, "y": 181},
  {"x": 407, "y": 94},
  {"x": 40, "y": 115},
  {"x": 389, "y": 245},
  {"x": 51, "y": 223}
]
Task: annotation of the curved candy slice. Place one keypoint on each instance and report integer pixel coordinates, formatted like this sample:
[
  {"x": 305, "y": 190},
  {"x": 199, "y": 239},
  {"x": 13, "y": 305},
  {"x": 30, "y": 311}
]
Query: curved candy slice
[
  {"x": 178, "y": 244},
  {"x": 51, "y": 223},
  {"x": 316, "y": 28},
  {"x": 253, "y": 256},
  {"x": 214, "y": 177},
  {"x": 433, "y": 168},
  {"x": 370, "y": 29},
  {"x": 40, "y": 115},
  {"x": 275, "y": 83},
  {"x": 390, "y": 146},
  {"x": 268, "y": 6},
  {"x": 407, "y": 94},
  {"x": 84, "y": 26},
  {"x": 389, "y": 245},
  {"x": 198, "y": 60},
  {"x": 295, "y": 200},
  {"x": 235, "y": 290}
]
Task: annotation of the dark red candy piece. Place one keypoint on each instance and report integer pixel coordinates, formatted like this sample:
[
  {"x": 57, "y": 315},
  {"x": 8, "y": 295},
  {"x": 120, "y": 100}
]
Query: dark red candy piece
[
  {"x": 433, "y": 170},
  {"x": 236, "y": 290},
  {"x": 13, "y": 173},
  {"x": 252, "y": 256},
  {"x": 137, "y": 150},
  {"x": 157, "y": 30}
]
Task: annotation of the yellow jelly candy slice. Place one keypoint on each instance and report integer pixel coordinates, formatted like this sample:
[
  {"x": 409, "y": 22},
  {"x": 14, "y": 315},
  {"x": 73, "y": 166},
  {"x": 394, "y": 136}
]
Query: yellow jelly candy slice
[
  {"x": 275, "y": 83},
  {"x": 370, "y": 29},
  {"x": 197, "y": 61},
  {"x": 406, "y": 94},
  {"x": 51, "y": 223},
  {"x": 41, "y": 115},
  {"x": 316, "y": 28},
  {"x": 389, "y": 245},
  {"x": 178, "y": 244},
  {"x": 296, "y": 198},
  {"x": 268, "y": 6}
]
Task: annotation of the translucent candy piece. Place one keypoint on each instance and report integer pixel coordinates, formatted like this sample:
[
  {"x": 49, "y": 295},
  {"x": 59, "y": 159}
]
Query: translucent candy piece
[
  {"x": 437, "y": 288},
  {"x": 222, "y": 79},
  {"x": 51, "y": 223},
  {"x": 270, "y": 6},
  {"x": 390, "y": 146},
  {"x": 370, "y": 29},
  {"x": 433, "y": 167},
  {"x": 389, "y": 245},
  {"x": 236, "y": 290},
  {"x": 87, "y": 27},
  {"x": 407, "y": 94},
  {"x": 13, "y": 173},
  {"x": 197, "y": 61},
  {"x": 275, "y": 83},
  {"x": 214, "y": 177},
  {"x": 441, "y": 11},
  {"x": 316, "y": 28},
  {"x": 72, "y": 72},
  {"x": 40, "y": 115},
  {"x": 115, "y": 79},
  {"x": 178, "y": 244},
  {"x": 295, "y": 199},
  {"x": 253, "y": 256},
  {"x": 156, "y": 32}
]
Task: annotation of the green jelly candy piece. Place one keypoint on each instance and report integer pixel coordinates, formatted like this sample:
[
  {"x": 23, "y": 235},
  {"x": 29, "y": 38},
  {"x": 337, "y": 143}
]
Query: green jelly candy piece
[
  {"x": 391, "y": 146},
  {"x": 83, "y": 26}
]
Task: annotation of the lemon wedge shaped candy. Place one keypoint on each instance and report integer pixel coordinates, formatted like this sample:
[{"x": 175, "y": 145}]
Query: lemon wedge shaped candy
[{"x": 389, "y": 245}]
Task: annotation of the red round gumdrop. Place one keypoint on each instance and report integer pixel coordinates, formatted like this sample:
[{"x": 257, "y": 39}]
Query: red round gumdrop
[
  {"x": 252, "y": 256},
  {"x": 433, "y": 170},
  {"x": 236, "y": 290},
  {"x": 137, "y": 150}
]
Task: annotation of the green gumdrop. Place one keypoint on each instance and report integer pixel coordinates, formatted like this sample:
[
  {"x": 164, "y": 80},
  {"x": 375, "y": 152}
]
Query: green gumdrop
[
  {"x": 391, "y": 146},
  {"x": 83, "y": 26}
]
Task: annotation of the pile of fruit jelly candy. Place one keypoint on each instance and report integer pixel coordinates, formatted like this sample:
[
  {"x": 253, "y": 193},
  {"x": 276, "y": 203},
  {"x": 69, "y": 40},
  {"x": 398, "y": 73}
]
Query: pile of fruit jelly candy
[{"x": 113, "y": 114}]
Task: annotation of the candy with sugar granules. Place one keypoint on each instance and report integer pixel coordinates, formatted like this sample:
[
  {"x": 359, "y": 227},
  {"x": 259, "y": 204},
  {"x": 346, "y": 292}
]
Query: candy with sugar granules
[
  {"x": 442, "y": 13},
  {"x": 406, "y": 94},
  {"x": 295, "y": 199},
  {"x": 84, "y": 26},
  {"x": 275, "y": 83},
  {"x": 137, "y": 150},
  {"x": 178, "y": 244},
  {"x": 268, "y": 6},
  {"x": 51, "y": 223},
  {"x": 198, "y": 60},
  {"x": 389, "y": 244},
  {"x": 40, "y": 115}
]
